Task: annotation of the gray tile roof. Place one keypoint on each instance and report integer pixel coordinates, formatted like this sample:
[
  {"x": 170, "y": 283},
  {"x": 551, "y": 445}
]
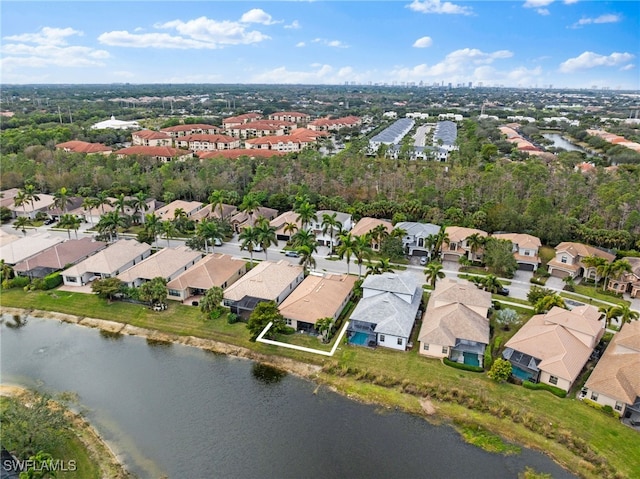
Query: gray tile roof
[
  {"x": 390, "y": 314},
  {"x": 400, "y": 283}
]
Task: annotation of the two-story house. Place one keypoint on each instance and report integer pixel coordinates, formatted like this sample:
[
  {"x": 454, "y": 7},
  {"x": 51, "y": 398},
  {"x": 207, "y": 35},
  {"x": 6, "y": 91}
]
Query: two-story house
[
  {"x": 568, "y": 260},
  {"x": 150, "y": 138},
  {"x": 415, "y": 240},
  {"x": 458, "y": 244},
  {"x": 525, "y": 249},
  {"x": 627, "y": 282},
  {"x": 387, "y": 311},
  {"x": 331, "y": 233}
]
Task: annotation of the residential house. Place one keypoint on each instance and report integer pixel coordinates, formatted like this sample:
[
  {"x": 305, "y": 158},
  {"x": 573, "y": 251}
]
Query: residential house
[
  {"x": 328, "y": 124},
  {"x": 280, "y": 223},
  {"x": 627, "y": 282},
  {"x": 260, "y": 128},
  {"x": 191, "y": 129},
  {"x": 525, "y": 249},
  {"x": 210, "y": 211},
  {"x": 27, "y": 246},
  {"x": 243, "y": 219},
  {"x": 324, "y": 239},
  {"x": 166, "y": 263},
  {"x": 6, "y": 238},
  {"x": 202, "y": 142},
  {"x": 553, "y": 348},
  {"x": 31, "y": 209},
  {"x": 366, "y": 225},
  {"x": 267, "y": 281},
  {"x": 455, "y": 324},
  {"x": 7, "y": 196},
  {"x": 215, "y": 269},
  {"x": 160, "y": 153},
  {"x": 72, "y": 207},
  {"x": 415, "y": 240},
  {"x": 106, "y": 263},
  {"x": 77, "y": 146},
  {"x": 286, "y": 143},
  {"x": 458, "y": 245},
  {"x": 150, "y": 138},
  {"x": 568, "y": 260},
  {"x": 93, "y": 215},
  {"x": 387, "y": 311},
  {"x": 113, "y": 124},
  {"x": 291, "y": 116},
  {"x": 444, "y": 138},
  {"x": 240, "y": 120},
  {"x": 58, "y": 257},
  {"x": 317, "y": 297},
  {"x": 168, "y": 212},
  {"x": 615, "y": 381}
]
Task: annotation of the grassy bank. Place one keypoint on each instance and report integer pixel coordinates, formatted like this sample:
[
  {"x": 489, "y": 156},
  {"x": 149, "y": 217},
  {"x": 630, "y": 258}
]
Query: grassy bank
[{"x": 582, "y": 439}]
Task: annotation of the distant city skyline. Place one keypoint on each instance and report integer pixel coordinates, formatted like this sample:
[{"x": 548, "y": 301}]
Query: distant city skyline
[{"x": 532, "y": 43}]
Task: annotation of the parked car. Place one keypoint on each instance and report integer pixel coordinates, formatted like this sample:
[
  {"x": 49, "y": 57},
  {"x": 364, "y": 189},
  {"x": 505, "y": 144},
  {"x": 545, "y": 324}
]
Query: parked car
[
  {"x": 49, "y": 221},
  {"x": 291, "y": 253},
  {"x": 502, "y": 291},
  {"x": 423, "y": 260}
]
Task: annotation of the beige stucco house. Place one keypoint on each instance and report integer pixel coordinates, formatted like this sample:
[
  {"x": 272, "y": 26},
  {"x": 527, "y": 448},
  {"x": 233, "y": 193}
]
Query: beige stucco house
[
  {"x": 166, "y": 263},
  {"x": 553, "y": 348},
  {"x": 525, "y": 249},
  {"x": 458, "y": 246},
  {"x": 568, "y": 260}
]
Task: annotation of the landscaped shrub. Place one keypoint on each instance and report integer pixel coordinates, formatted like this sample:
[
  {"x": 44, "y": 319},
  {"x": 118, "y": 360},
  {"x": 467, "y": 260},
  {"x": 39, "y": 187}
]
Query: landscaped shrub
[
  {"x": 51, "y": 281},
  {"x": 18, "y": 282},
  {"x": 288, "y": 330},
  {"x": 464, "y": 367},
  {"x": 538, "y": 281},
  {"x": 232, "y": 318},
  {"x": 561, "y": 393}
]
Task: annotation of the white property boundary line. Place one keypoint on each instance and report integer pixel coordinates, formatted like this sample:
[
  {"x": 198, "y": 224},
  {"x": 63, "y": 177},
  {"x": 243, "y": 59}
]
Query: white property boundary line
[{"x": 302, "y": 348}]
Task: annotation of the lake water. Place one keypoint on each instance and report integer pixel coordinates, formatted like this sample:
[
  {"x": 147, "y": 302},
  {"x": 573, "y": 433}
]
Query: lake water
[
  {"x": 560, "y": 142},
  {"x": 176, "y": 411}
]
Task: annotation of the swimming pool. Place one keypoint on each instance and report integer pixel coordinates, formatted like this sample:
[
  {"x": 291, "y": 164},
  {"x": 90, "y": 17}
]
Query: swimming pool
[{"x": 359, "y": 339}]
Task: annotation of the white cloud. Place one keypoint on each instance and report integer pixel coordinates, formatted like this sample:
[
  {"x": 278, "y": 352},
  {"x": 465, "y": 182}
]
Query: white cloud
[
  {"x": 588, "y": 60},
  {"x": 607, "y": 18},
  {"x": 628, "y": 67},
  {"x": 537, "y": 3},
  {"x": 330, "y": 43},
  {"x": 423, "y": 42},
  {"x": 199, "y": 33},
  {"x": 570, "y": 2},
  {"x": 46, "y": 36},
  {"x": 543, "y": 11},
  {"x": 257, "y": 15},
  {"x": 318, "y": 74},
  {"x": 436, "y": 6},
  {"x": 301, "y": 44},
  {"x": 295, "y": 25},
  {"x": 49, "y": 48}
]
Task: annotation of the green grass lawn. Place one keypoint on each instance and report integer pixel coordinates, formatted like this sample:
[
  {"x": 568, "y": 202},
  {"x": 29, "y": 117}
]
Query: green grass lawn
[
  {"x": 603, "y": 433},
  {"x": 597, "y": 294}
]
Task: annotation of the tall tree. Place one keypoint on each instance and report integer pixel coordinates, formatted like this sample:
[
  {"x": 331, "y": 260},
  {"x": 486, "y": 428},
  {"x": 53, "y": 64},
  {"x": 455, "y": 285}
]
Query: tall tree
[
  {"x": 249, "y": 240},
  {"x": 433, "y": 272},
  {"x": 266, "y": 235},
  {"x": 21, "y": 224},
  {"x": 595, "y": 262},
  {"x": 330, "y": 224},
  {"x": 21, "y": 200},
  {"x": 306, "y": 256},
  {"x": 168, "y": 228},
  {"x": 212, "y": 300},
  {"x": 250, "y": 204},
  {"x": 347, "y": 248},
  {"x": 153, "y": 227},
  {"x": 102, "y": 200},
  {"x": 264, "y": 313},
  {"x": 61, "y": 199},
  {"x": 70, "y": 222},
  {"x": 217, "y": 199},
  {"x": 362, "y": 250},
  {"x": 154, "y": 291},
  {"x": 609, "y": 313},
  {"x": 383, "y": 265},
  {"x": 139, "y": 205},
  {"x": 88, "y": 204},
  {"x": 210, "y": 231},
  {"x": 109, "y": 223},
  {"x": 475, "y": 242},
  {"x": 626, "y": 314},
  {"x": 306, "y": 213},
  {"x": 31, "y": 196}
]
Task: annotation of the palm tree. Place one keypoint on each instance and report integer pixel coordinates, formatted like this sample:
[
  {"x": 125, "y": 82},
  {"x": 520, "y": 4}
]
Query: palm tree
[
  {"x": 103, "y": 200},
  {"x": 209, "y": 231},
  {"x": 21, "y": 224},
  {"x": 378, "y": 234},
  {"x": 433, "y": 272},
  {"x": 21, "y": 200},
  {"x": 330, "y": 224},
  {"x": 491, "y": 283},
  {"x": 290, "y": 228},
  {"x": 594, "y": 262},
  {"x": 383, "y": 265},
  {"x": 362, "y": 250},
  {"x": 323, "y": 326},
  {"x": 249, "y": 240},
  {"x": 70, "y": 222},
  {"x": 31, "y": 196},
  {"x": 546, "y": 303},
  {"x": 87, "y": 205},
  {"x": 6, "y": 271},
  {"x": 306, "y": 256},
  {"x": 609, "y": 313},
  {"x": 626, "y": 314},
  {"x": 441, "y": 238},
  {"x": 61, "y": 199},
  {"x": 306, "y": 212},
  {"x": 121, "y": 203},
  {"x": 475, "y": 242},
  {"x": 139, "y": 204},
  {"x": 169, "y": 231},
  {"x": 615, "y": 270},
  {"x": 346, "y": 248},
  {"x": 217, "y": 198},
  {"x": 110, "y": 223},
  {"x": 152, "y": 226},
  {"x": 430, "y": 242},
  {"x": 303, "y": 237},
  {"x": 266, "y": 234},
  {"x": 250, "y": 205}
]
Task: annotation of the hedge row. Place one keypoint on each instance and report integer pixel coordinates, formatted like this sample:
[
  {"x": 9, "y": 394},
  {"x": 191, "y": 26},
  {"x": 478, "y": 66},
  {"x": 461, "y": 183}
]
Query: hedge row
[
  {"x": 464, "y": 367},
  {"x": 561, "y": 393}
]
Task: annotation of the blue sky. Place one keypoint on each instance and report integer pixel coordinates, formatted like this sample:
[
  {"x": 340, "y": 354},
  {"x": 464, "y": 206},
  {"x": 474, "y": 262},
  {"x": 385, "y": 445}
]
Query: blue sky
[{"x": 564, "y": 43}]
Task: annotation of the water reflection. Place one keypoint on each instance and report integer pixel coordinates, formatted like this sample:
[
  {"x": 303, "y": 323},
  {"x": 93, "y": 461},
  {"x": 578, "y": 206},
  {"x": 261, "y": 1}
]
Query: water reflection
[
  {"x": 16, "y": 322},
  {"x": 267, "y": 374},
  {"x": 111, "y": 335}
]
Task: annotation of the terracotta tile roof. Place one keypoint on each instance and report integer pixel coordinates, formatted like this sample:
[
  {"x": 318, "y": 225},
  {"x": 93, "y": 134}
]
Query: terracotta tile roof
[
  {"x": 559, "y": 341},
  {"x": 61, "y": 254},
  {"x": 111, "y": 259},
  {"x": 166, "y": 263},
  {"x": 366, "y": 224},
  {"x": 213, "y": 270},
  {"x": 459, "y": 233},
  {"x": 156, "y": 151},
  {"x": 167, "y": 212},
  {"x": 77, "y": 146},
  {"x": 583, "y": 250},
  {"x": 151, "y": 135},
  {"x": 520, "y": 239},
  {"x": 617, "y": 374},
  {"x": 210, "y": 138},
  {"x": 445, "y": 325},
  {"x": 190, "y": 127},
  {"x": 246, "y": 118},
  {"x": 267, "y": 280},
  {"x": 318, "y": 297}
]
